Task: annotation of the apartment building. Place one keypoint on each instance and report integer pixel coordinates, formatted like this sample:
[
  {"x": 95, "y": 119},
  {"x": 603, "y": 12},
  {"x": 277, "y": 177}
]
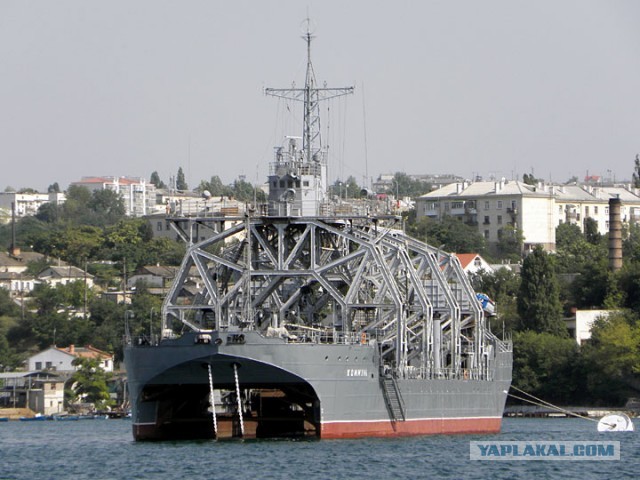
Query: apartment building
[
  {"x": 494, "y": 206},
  {"x": 534, "y": 209},
  {"x": 27, "y": 204},
  {"x": 139, "y": 196}
]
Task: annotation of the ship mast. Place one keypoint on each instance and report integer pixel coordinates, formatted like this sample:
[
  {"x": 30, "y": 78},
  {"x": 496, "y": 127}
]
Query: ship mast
[
  {"x": 311, "y": 96},
  {"x": 313, "y": 155}
]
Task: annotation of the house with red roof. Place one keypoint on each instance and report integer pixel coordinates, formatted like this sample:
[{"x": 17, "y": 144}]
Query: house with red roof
[
  {"x": 60, "y": 359},
  {"x": 473, "y": 263}
]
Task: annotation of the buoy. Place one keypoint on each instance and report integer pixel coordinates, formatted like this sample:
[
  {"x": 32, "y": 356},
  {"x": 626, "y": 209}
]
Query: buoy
[{"x": 617, "y": 422}]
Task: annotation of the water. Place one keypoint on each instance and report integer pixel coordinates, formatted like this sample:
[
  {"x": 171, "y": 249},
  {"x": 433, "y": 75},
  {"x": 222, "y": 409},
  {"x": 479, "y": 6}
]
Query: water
[{"x": 103, "y": 449}]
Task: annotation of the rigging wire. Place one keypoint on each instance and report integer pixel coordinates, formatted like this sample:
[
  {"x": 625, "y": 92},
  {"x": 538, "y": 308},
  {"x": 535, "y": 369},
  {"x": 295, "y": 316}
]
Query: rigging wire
[{"x": 542, "y": 403}]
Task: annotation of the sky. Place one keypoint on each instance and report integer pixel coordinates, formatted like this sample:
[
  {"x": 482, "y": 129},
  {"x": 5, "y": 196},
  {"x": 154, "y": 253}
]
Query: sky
[{"x": 496, "y": 88}]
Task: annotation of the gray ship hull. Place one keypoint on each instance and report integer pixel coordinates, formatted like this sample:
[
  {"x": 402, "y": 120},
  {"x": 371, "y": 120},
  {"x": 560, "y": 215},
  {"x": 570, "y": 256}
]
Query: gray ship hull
[{"x": 300, "y": 389}]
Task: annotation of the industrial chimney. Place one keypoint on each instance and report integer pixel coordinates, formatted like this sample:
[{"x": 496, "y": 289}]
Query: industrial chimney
[{"x": 615, "y": 234}]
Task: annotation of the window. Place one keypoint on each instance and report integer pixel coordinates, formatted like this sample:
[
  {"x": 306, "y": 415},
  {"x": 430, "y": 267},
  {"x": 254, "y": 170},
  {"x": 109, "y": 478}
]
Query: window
[
  {"x": 606, "y": 211},
  {"x": 486, "y": 234},
  {"x": 486, "y": 220},
  {"x": 586, "y": 211},
  {"x": 595, "y": 210},
  {"x": 499, "y": 204},
  {"x": 305, "y": 183},
  {"x": 38, "y": 365},
  {"x": 281, "y": 183},
  {"x": 499, "y": 219},
  {"x": 457, "y": 205},
  {"x": 159, "y": 227},
  {"x": 486, "y": 205},
  {"x": 48, "y": 365},
  {"x": 477, "y": 262}
]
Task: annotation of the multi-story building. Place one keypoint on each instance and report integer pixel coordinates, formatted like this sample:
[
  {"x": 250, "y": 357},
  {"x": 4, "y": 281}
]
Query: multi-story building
[
  {"x": 574, "y": 204},
  {"x": 139, "y": 195},
  {"x": 27, "y": 204},
  {"x": 494, "y": 207},
  {"x": 536, "y": 210}
]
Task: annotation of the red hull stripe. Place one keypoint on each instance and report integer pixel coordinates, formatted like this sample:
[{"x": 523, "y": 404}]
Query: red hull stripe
[{"x": 427, "y": 426}]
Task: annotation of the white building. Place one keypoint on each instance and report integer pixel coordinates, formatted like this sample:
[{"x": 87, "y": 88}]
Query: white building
[
  {"x": 580, "y": 326},
  {"x": 139, "y": 196},
  {"x": 473, "y": 263},
  {"x": 494, "y": 206},
  {"x": 55, "y": 276},
  {"x": 535, "y": 210},
  {"x": 27, "y": 204},
  {"x": 60, "y": 359},
  {"x": 576, "y": 203}
]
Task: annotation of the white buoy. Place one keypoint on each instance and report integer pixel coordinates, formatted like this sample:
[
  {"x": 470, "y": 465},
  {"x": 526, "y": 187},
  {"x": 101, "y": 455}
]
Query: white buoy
[{"x": 618, "y": 422}]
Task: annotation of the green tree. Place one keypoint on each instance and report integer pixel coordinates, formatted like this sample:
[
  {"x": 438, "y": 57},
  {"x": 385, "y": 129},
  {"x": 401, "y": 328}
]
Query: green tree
[
  {"x": 529, "y": 179},
  {"x": 53, "y": 188},
  {"x": 548, "y": 367},
  {"x": 215, "y": 187},
  {"x": 502, "y": 287},
  {"x": 613, "y": 357},
  {"x": 90, "y": 382},
  {"x": 404, "y": 186},
  {"x": 76, "y": 206},
  {"x": 108, "y": 205},
  {"x": 591, "y": 232},
  {"x": 539, "y": 304},
  {"x": 636, "y": 172},
  {"x": 181, "y": 183},
  {"x": 509, "y": 244},
  {"x": 155, "y": 179},
  {"x": 48, "y": 213},
  {"x": 450, "y": 233},
  {"x": 567, "y": 235}
]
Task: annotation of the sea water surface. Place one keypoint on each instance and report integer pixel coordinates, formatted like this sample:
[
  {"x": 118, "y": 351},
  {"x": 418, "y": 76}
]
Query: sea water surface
[{"x": 104, "y": 449}]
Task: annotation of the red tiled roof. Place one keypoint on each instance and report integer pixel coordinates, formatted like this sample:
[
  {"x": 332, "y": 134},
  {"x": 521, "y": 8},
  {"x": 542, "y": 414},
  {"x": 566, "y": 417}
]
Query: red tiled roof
[
  {"x": 85, "y": 352},
  {"x": 466, "y": 258}
]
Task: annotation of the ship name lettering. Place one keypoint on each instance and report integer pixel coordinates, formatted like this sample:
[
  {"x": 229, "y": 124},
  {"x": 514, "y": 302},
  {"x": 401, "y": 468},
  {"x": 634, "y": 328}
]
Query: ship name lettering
[{"x": 357, "y": 372}]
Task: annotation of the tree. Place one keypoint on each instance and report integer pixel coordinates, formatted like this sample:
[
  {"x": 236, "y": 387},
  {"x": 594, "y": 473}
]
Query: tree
[
  {"x": 405, "y": 186},
  {"x": 591, "y": 232},
  {"x": 613, "y": 357},
  {"x": 529, "y": 179},
  {"x": 509, "y": 243},
  {"x": 539, "y": 304},
  {"x": 107, "y": 205},
  {"x": 214, "y": 186},
  {"x": 452, "y": 234},
  {"x": 548, "y": 367},
  {"x": 636, "y": 172},
  {"x": 181, "y": 183},
  {"x": 502, "y": 287},
  {"x": 90, "y": 382},
  {"x": 48, "y": 212},
  {"x": 155, "y": 179},
  {"x": 53, "y": 188}
]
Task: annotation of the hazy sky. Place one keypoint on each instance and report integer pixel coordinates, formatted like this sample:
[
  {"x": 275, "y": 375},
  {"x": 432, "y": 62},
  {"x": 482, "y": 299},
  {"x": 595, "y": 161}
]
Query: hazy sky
[{"x": 467, "y": 87}]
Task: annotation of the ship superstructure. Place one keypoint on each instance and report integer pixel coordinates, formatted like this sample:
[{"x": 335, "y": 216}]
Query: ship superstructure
[{"x": 304, "y": 322}]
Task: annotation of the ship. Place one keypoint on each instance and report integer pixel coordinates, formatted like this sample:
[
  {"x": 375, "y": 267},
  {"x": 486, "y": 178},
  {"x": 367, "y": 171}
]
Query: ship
[{"x": 311, "y": 317}]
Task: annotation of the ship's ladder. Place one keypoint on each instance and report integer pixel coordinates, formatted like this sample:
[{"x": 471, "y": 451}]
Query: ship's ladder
[{"x": 392, "y": 397}]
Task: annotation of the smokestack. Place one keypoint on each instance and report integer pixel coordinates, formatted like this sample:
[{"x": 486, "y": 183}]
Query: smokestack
[{"x": 615, "y": 235}]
